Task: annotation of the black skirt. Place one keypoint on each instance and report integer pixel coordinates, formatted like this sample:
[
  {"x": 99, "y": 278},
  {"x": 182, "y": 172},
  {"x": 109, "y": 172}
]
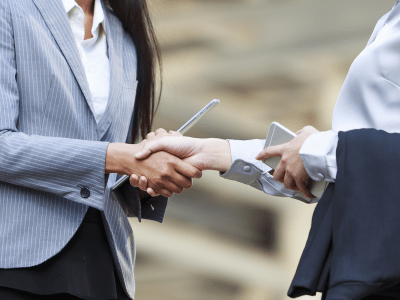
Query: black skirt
[{"x": 84, "y": 269}]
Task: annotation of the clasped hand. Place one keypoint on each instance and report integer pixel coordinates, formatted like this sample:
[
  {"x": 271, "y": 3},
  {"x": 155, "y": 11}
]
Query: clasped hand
[{"x": 185, "y": 151}]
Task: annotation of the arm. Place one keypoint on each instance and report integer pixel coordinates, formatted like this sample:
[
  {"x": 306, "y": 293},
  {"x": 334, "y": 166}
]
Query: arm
[
  {"x": 217, "y": 154},
  {"x": 56, "y": 165}
]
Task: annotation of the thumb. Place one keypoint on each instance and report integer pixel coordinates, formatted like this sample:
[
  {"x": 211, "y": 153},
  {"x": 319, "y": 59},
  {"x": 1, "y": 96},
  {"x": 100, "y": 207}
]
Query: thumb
[{"x": 146, "y": 150}]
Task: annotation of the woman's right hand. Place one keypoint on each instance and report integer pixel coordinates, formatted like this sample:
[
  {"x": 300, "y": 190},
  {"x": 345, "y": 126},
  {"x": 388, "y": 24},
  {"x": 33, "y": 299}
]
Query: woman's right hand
[{"x": 166, "y": 174}]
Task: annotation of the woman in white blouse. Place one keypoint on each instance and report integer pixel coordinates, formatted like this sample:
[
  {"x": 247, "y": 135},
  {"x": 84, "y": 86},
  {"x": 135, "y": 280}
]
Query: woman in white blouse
[{"x": 369, "y": 98}]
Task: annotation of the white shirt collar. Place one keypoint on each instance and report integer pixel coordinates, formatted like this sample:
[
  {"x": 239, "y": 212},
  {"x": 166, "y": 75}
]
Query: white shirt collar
[
  {"x": 98, "y": 16},
  {"x": 68, "y": 4}
]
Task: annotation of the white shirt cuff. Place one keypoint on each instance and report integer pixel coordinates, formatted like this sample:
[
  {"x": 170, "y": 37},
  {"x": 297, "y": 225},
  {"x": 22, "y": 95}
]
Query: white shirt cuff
[
  {"x": 246, "y": 169},
  {"x": 318, "y": 154},
  {"x": 247, "y": 151}
]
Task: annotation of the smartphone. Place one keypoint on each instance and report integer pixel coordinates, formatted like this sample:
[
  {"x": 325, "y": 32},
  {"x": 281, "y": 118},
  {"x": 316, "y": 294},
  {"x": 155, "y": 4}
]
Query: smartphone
[
  {"x": 279, "y": 134},
  {"x": 185, "y": 127}
]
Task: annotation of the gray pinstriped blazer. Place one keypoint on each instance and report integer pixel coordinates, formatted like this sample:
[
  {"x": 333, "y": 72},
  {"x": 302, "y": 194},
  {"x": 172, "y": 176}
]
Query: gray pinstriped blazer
[{"x": 50, "y": 144}]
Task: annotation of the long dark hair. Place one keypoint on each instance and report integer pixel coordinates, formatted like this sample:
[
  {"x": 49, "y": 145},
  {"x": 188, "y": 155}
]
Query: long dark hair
[{"x": 135, "y": 18}]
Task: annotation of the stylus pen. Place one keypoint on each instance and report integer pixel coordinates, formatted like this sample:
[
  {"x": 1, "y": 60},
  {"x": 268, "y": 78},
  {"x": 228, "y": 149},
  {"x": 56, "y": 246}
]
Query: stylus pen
[
  {"x": 193, "y": 120},
  {"x": 189, "y": 124}
]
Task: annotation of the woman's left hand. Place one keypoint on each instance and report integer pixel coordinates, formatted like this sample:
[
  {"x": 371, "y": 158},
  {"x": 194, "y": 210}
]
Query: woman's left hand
[{"x": 290, "y": 170}]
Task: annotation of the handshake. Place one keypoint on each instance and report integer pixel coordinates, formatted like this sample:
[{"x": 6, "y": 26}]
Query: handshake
[{"x": 165, "y": 163}]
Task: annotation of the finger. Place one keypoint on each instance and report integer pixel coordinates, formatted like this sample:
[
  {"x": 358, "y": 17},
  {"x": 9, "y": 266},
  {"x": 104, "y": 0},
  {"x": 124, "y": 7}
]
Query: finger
[
  {"x": 150, "y": 135},
  {"x": 134, "y": 180},
  {"x": 270, "y": 151},
  {"x": 181, "y": 181},
  {"x": 168, "y": 189},
  {"x": 161, "y": 131},
  {"x": 175, "y": 133},
  {"x": 165, "y": 193},
  {"x": 303, "y": 184},
  {"x": 279, "y": 173},
  {"x": 143, "y": 183},
  {"x": 188, "y": 170},
  {"x": 289, "y": 182},
  {"x": 151, "y": 192}
]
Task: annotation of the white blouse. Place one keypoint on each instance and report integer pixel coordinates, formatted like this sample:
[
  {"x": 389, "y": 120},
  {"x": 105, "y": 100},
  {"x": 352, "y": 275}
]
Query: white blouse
[
  {"x": 370, "y": 97},
  {"x": 93, "y": 53}
]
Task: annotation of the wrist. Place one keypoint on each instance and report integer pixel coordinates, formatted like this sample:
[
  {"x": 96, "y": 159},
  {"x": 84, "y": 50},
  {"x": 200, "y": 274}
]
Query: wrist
[
  {"x": 216, "y": 154},
  {"x": 119, "y": 157}
]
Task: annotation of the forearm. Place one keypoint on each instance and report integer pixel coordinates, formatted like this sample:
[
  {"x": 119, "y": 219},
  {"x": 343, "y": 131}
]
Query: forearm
[
  {"x": 119, "y": 158},
  {"x": 216, "y": 154}
]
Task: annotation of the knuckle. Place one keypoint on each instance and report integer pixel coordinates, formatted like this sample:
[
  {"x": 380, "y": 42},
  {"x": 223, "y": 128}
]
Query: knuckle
[
  {"x": 292, "y": 172},
  {"x": 165, "y": 176},
  {"x": 193, "y": 174},
  {"x": 188, "y": 185},
  {"x": 160, "y": 131}
]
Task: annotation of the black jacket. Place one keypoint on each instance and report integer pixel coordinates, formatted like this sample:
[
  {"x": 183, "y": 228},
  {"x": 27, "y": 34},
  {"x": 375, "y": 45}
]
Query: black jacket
[{"x": 353, "y": 249}]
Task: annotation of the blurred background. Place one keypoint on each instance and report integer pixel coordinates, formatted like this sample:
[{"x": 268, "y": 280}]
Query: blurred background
[{"x": 266, "y": 60}]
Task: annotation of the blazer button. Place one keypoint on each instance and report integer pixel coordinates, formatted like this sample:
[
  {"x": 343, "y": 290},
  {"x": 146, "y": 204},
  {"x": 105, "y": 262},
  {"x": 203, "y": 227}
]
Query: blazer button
[{"x": 85, "y": 192}]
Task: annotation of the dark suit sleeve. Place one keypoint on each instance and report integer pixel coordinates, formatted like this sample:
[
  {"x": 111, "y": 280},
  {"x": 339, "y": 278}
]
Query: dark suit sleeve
[{"x": 151, "y": 208}]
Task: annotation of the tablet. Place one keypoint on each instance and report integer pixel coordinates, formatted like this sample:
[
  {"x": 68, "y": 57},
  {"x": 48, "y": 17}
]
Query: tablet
[{"x": 279, "y": 134}]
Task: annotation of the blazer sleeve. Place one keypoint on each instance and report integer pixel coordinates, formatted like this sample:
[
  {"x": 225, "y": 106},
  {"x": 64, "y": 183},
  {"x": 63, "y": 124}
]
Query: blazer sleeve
[{"x": 73, "y": 169}]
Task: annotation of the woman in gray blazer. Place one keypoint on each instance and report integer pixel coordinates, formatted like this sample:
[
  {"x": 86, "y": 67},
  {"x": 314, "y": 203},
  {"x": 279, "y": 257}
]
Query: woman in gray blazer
[{"x": 76, "y": 90}]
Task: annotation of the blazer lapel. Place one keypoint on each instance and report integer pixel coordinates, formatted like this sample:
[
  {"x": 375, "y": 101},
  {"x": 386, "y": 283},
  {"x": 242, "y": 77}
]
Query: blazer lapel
[
  {"x": 114, "y": 32},
  {"x": 54, "y": 14}
]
